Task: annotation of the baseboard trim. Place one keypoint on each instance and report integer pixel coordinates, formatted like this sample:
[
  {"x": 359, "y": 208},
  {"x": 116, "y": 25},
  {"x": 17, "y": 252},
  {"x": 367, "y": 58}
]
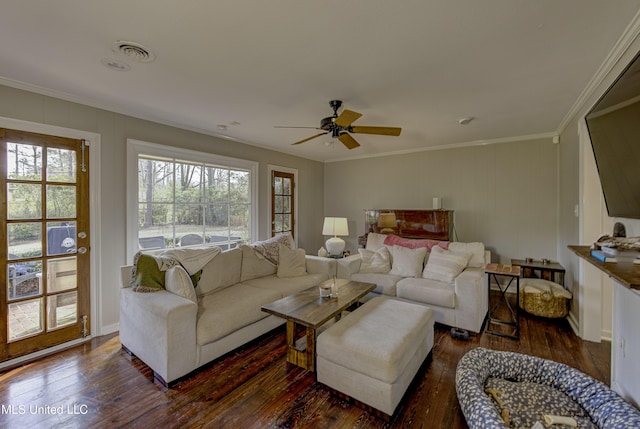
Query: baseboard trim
[{"x": 13, "y": 363}]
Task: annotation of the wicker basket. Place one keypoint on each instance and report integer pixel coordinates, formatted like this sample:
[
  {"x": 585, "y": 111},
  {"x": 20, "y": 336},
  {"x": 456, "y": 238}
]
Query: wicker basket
[{"x": 544, "y": 298}]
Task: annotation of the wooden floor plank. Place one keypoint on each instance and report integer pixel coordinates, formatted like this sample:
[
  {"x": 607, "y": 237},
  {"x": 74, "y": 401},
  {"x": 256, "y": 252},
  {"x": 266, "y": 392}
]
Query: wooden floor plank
[{"x": 253, "y": 387}]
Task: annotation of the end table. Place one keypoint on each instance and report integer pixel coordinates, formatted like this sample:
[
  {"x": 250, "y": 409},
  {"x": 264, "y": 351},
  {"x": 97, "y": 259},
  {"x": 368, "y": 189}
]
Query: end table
[{"x": 511, "y": 272}]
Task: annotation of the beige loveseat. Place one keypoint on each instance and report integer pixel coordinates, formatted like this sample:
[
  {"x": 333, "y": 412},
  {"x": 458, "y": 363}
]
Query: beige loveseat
[
  {"x": 452, "y": 284},
  {"x": 175, "y": 334}
]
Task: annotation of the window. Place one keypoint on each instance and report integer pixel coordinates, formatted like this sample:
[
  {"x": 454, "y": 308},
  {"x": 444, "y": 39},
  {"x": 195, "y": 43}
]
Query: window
[{"x": 183, "y": 198}]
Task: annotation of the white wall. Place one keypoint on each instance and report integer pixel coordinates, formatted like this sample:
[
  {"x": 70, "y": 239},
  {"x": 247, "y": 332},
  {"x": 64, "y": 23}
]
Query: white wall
[
  {"x": 504, "y": 195},
  {"x": 114, "y": 129}
]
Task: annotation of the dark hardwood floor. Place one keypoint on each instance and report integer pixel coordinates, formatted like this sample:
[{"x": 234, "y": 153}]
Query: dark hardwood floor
[{"x": 100, "y": 385}]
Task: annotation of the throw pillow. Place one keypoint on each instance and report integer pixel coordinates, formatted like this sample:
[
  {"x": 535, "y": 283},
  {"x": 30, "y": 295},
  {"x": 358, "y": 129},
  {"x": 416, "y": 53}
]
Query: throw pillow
[
  {"x": 255, "y": 265},
  {"x": 292, "y": 262},
  {"x": 375, "y": 262},
  {"x": 445, "y": 265},
  {"x": 407, "y": 262},
  {"x": 394, "y": 240},
  {"x": 178, "y": 281},
  {"x": 375, "y": 241},
  {"x": 146, "y": 275},
  {"x": 270, "y": 248},
  {"x": 476, "y": 249}
]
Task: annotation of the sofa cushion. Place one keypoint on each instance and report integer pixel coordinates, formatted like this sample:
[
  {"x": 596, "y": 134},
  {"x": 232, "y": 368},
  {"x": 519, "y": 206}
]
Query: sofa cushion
[
  {"x": 427, "y": 291},
  {"x": 178, "y": 281},
  {"x": 407, "y": 262},
  {"x": 385, "y": 283},
  {"x": 287, "y": 286},
  {"x": 255, "y": 265},
  {"x": 222, "y": 271},
  {"x": 226, "y": 310},
  {"x": 375, "y": 262},
  {"x": 476, "y": 249},
  {"x": 445, "y": 265}
]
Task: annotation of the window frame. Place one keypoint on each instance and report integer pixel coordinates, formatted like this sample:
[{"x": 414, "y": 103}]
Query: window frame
[{"x": 135, "y": 148}]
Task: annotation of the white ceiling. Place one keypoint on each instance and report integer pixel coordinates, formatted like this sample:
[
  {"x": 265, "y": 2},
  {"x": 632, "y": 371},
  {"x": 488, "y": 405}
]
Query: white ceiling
[{"x": 516, "y": 66}]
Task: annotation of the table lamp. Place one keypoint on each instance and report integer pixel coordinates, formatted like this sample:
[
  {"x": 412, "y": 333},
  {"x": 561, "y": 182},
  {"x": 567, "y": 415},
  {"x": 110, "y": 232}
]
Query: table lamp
[
  {"x": 335, "y": 226},
  {"x": 387, "y": 221}
]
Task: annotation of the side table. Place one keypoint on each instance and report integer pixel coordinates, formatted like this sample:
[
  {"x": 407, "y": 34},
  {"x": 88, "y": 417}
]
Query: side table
[
  {"x": 551, "y": 271},
  {"x": 511, "y": 272}
]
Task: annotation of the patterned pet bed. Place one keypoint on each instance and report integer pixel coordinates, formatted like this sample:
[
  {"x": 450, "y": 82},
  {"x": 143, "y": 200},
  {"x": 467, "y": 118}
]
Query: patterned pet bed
[{"x": 504, "y": 389}]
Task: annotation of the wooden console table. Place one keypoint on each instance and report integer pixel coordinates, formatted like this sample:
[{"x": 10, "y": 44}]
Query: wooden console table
[{"x": 627, "y": 275}]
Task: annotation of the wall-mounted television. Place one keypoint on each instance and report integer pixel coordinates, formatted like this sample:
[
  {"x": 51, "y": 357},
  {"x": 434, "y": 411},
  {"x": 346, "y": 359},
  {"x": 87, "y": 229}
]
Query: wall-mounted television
[{"x": 614, "y": 128}]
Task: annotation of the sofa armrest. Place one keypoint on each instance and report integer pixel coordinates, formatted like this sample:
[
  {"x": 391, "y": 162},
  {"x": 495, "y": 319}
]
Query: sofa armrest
[
  {"x": 471, "y": 299},
  {"x": 348, "y": 266},
  {"x": 159, "y": 328},
  {"x": 320, "y": 265}
]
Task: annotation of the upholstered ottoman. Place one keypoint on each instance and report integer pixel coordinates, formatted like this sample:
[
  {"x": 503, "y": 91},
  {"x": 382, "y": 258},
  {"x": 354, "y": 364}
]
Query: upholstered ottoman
[{"x": 373, "y": 353}]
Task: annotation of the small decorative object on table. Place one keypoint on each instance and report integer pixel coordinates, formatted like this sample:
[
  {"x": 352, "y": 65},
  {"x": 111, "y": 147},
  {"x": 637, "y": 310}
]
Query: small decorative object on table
[
  {"x": 334, "y": 288},
  {"x": 325, "y": 290}
]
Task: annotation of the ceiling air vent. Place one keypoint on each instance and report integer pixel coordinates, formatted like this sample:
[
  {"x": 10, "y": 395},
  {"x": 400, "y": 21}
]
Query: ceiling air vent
[{"x": 134, "y": 50}]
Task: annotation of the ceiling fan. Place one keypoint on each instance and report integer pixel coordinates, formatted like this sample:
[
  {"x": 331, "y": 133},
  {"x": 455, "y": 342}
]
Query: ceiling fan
[{"x": 340, "y": 126}]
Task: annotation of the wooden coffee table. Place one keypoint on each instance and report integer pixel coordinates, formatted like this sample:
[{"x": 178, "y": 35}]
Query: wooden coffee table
[{"x": 306, "y": 311}]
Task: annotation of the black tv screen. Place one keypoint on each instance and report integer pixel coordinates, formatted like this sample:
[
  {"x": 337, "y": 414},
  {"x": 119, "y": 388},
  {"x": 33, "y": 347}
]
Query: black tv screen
[{"x": 614, "y": 128}]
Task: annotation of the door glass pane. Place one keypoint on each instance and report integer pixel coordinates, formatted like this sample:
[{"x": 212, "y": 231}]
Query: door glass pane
[
  {"x": 286, "y": 204},
  {"x": 278, "y": 204},
  {"x": 24, "y": 240},
  {"x": 286, "y": 186},
  {"x": 278, "y": 185},
  {"x": 24, "y": 279},
  {"x": 61, "y": 201},
  {"x": 24, "y": 161},
  {"x": 277, "y": 225},
  {"x": 25, "y": 318},
  {"x": 61, "y": 238},
  {"x": 61, "y": 165},
  {"x": 61, "y": 274},
  {"x": 24, "y": 201},
  {"x": 286, "y": 222},
  {"x": 62, "y": 310}
]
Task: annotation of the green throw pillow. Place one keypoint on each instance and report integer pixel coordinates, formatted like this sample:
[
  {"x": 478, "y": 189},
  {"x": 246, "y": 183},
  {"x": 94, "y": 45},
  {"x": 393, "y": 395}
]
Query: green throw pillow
[
  {"x": 195, "y": 278},
  {"x": 146, "y": 275}
]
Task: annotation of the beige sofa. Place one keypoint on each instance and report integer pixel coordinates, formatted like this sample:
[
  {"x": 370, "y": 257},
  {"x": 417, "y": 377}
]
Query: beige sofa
[
  {"x": 174, "y": 334},
  {"x": 456, "y": 293}
]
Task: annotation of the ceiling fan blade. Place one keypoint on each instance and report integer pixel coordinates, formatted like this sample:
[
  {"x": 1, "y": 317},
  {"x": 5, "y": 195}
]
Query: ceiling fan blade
[
  {"x": 346, "y": 118},
  {"x": 309, "y": 138},
  {"x": 283, "y": 126},
  {"x": 385, "y": 131},
  {"x": 348, "y": 141}
]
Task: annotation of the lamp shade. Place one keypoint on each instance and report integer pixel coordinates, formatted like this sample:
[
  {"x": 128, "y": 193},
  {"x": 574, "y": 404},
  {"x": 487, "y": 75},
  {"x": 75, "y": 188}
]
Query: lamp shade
[
  {"x": 335, "y": 226},
  {"x": 387, "y": 221}
]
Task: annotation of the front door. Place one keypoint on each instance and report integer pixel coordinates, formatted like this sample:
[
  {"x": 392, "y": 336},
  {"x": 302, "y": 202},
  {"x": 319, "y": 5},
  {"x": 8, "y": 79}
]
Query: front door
[{"x": 44, "y": 246}]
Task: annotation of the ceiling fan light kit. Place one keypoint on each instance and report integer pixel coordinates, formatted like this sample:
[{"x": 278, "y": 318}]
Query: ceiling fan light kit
[{"x": 340, "y": 127}]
